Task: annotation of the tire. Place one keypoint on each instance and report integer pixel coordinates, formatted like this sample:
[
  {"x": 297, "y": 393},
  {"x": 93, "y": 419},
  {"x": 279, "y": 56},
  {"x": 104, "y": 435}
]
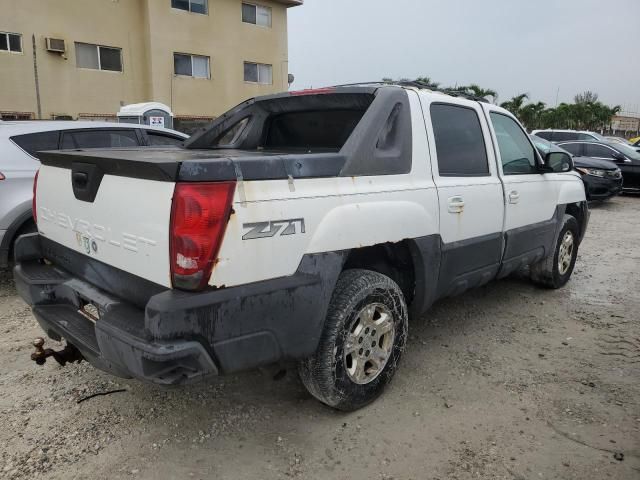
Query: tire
[
  {"x": 362, "y": 301},
  {"x": 551, "y": 272}
]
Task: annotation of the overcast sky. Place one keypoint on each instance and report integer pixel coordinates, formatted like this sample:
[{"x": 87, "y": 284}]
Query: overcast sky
[{"x": 512, "y": 46}]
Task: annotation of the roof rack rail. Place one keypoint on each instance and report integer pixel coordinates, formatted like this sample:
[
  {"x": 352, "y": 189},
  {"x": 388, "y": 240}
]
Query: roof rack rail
[{"x": 409, "y": 83}]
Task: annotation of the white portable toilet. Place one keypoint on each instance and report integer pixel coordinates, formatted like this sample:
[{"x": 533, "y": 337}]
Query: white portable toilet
[{"x": 149, "y": 113}]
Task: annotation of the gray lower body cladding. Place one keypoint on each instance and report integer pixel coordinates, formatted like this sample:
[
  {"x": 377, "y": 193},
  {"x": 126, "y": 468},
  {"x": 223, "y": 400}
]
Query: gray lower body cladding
[
  {"x": 178, "y": 336},
  {"x": 170, "y": 336}
]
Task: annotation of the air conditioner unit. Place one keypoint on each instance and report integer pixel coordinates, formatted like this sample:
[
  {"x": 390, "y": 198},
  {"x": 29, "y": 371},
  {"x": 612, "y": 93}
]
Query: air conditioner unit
[{"x": 56, "y": 45}]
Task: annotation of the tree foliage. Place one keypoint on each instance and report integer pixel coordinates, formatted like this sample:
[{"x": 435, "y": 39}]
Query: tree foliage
[
  {"x": 586, "y": 113},
  {"x": 515, "y": 104}
]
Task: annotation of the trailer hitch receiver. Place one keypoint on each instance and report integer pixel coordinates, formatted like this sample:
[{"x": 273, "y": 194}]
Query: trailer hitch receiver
[{"x": 68, "y": 354}]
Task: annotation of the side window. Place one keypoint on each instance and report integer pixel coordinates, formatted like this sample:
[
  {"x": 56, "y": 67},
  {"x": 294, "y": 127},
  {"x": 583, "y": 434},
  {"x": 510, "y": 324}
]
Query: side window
[
  {"x": 37, "y": 142},
  {"x": 161, "y": 139},
  {"x": 459, "y": 141},
  {"x": 516, "y": 152},
  {"x": 564, "y": 136},
  {"x": 545, "y": 135},
  {"x": 573, "y": 148},
  {"x": 100, "y": 139},
  {"x": 597, "y": 151},
  {"x": 586, "y": 136}
]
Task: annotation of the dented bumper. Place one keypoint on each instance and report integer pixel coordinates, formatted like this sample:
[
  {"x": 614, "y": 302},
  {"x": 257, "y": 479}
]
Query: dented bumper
[{"x": 168, "y": 336}]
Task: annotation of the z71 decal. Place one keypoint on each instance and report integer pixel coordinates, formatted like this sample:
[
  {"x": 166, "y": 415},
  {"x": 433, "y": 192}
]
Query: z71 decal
[{"x": 273, "y": 228}]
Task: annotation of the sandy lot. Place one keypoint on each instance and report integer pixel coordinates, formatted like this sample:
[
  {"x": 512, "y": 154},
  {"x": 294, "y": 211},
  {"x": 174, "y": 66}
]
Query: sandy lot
[{"x": 510, "y": 381}]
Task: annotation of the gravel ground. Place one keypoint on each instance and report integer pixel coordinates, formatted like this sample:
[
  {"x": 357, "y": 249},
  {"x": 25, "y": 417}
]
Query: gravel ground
[{"x": 508, "y": 381}]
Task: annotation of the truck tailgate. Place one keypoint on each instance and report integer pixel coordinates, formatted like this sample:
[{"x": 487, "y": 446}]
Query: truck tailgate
[{"x": 126, "y": 225}]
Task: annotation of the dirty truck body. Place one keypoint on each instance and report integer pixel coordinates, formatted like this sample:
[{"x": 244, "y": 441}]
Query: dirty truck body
[{"x": 304, "y": 226}]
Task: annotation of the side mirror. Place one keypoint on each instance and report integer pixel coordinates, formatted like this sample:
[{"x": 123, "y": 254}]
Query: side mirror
[{"x": 557, "y": 162}]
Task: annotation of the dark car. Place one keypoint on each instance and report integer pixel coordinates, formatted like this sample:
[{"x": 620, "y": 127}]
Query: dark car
[
  {"x": 602, "y": 178},
  {"x": 626, "y": 157}
]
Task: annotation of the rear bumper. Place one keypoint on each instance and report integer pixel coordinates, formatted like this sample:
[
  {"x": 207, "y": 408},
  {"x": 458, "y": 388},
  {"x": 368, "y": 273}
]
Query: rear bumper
[{"x": 177, "y": 337}]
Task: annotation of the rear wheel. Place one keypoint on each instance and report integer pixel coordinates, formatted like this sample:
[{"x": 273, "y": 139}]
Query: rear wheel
[
  {"x": 363, "y": 339},
  {"x": 555, "y": 270}
]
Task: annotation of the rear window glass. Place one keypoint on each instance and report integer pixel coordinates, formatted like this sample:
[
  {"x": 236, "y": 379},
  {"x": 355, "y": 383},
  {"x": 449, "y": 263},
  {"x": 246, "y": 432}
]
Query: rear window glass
[
  {"x": 100, "y": 139},
  {"x": 459, "y": 141},
  {"x": 37, "y": 142},
  {"x": 328, "y": 129}
]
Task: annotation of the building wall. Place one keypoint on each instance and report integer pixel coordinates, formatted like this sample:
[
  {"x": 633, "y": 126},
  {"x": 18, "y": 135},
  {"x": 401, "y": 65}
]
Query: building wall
[
  {"x": 148, "y": 32},
  {"x": 626, "y": 124}
]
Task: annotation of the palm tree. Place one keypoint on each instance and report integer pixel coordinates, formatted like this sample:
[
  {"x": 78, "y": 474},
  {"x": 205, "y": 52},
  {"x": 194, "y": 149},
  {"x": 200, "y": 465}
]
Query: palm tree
[
  {"x": 424, "y": 81},
  {"x": 480, "y": 92},
  {"x": 531, "y": 115},
  {"x": 427, "y": 82},
  {"x": 515, "y": 104}
]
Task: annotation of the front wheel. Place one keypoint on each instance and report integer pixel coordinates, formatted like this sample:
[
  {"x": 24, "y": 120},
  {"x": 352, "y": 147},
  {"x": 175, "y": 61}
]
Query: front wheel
[
  {"x": 363, "y": 339},
  {"x": 555, "y": 270}
]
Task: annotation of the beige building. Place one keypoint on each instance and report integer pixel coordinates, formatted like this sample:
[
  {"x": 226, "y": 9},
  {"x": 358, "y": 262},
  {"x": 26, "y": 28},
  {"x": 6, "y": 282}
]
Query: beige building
[
  {"x": 86, "y": 58},
  {"x": 626, "y": 124}
]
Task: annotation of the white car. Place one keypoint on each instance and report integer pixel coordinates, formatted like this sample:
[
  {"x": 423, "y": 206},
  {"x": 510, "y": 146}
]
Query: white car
[
  {"x": 566, "y": 135},
  {"x": 304, "y": 226},
  {"x": 19, "y": 144}
]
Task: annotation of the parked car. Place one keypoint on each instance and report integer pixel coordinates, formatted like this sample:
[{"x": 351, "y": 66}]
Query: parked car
[
  {"x": 635, "y": 141},
  {"x": 565, "y": 135},
  {"x": 625, "y": 156},
  {"x": 20, "y": 143},
  {"x": 602, "y": 178},
  {"x": 300, "y": 226},
  {"x": 621, "y": 140}
]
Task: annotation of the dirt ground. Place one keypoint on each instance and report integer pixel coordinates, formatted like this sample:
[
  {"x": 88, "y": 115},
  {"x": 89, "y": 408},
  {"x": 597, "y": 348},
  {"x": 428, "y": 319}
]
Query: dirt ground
[{"x": 506, "y": 382}]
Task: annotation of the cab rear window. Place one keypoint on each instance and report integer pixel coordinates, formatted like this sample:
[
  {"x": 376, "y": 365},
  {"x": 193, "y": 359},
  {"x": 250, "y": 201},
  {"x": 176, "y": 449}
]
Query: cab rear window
[{"x": 327, "y": 129}]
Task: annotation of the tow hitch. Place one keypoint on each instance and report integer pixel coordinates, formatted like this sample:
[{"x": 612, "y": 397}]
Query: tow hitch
[{"x": 68, "y": 354}]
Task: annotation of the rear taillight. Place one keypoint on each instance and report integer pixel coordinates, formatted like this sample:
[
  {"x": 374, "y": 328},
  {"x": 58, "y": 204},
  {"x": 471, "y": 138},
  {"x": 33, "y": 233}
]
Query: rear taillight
[
  {"x": 199, "y": 216},
  {"x": 2, "y": 177},
  {"x": 34, "y": 203}
]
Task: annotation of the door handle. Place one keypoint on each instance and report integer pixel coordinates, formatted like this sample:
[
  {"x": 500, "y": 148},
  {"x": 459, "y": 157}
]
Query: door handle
[
  {"x": 456, "y": 204},
  {"x": 514, "y": 196}
]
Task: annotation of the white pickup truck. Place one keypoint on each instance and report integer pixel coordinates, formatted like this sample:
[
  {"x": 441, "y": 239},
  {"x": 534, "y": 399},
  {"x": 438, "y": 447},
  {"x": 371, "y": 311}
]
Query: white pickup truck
[{"x": 304, "y": 226}]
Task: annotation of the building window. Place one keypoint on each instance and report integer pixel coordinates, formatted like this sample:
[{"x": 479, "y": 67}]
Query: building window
[
  {"x": 256, "y": 14},
  {"x": 194, "y": 6},
  {"x": 97, "y": 57},
  {"x": 195, "y": 66},
  {"x": 258, "y": 73},
  {"x": 11, "y": 42}
]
